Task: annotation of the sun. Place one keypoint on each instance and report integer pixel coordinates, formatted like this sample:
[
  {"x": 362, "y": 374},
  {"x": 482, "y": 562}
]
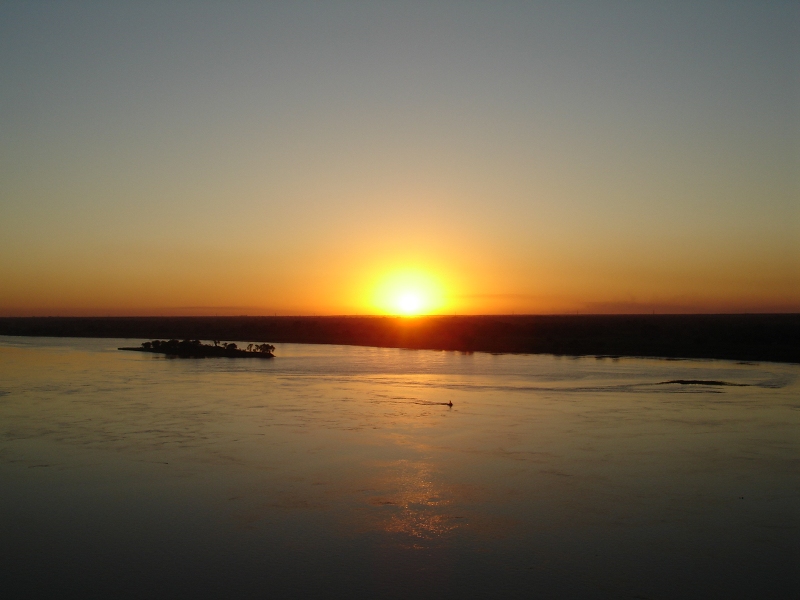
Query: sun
[
  {"x": 408, "y": 293},
  {"x": 409, "y": 303}
]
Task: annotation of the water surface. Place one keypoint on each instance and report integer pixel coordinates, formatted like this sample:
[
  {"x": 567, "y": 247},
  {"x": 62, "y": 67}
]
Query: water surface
[{"x": 333, "y": 471}]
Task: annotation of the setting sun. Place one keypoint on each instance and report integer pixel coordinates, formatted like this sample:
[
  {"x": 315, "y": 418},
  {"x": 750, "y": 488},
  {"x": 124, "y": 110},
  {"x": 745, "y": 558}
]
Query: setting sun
[
  {"x": 409, "y": 293},
  {"x": 409, "y": 303}
]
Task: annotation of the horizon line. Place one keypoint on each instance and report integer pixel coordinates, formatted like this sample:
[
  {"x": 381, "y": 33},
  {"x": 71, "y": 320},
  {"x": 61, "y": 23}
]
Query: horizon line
[{"x": 400, "y": 316}]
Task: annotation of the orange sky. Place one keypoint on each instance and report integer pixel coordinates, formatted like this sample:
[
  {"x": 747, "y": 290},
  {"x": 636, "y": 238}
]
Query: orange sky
[{"x": 333, "y": 160}]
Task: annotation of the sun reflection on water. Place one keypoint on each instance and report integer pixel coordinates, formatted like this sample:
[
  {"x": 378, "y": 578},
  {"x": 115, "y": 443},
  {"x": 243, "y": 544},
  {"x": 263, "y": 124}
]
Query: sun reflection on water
[{"x": 416, "y": 506}]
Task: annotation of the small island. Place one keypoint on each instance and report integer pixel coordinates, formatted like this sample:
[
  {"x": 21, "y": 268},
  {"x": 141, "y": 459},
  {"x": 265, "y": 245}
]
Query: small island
[{"x": 196, "y": 349}]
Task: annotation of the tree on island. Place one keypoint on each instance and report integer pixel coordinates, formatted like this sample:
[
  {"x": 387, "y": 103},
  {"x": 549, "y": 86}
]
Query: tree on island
[{"x": 195, "y": 348}]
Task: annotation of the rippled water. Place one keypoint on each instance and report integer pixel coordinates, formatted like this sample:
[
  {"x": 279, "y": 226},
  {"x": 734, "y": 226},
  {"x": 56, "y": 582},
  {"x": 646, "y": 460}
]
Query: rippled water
[{"x": 342, "y": 471}]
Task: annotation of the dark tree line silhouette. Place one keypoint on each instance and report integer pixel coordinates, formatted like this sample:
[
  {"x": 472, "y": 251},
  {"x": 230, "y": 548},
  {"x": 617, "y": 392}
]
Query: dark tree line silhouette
[
  {"x": 745, "y": 337},
  {"x": 196, "y": 349}
]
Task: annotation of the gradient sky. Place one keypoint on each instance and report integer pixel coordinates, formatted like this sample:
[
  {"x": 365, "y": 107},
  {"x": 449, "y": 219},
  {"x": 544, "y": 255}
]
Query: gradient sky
[{"x": 291, "y": 158}]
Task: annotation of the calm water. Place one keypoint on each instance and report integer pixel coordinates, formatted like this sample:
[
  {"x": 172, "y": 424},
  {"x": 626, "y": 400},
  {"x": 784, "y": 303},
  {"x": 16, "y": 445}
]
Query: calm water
[{"x": 340, "y": 471}]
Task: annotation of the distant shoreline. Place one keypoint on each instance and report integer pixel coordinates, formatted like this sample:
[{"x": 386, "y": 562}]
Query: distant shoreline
[{"x": 759, "y": 337}]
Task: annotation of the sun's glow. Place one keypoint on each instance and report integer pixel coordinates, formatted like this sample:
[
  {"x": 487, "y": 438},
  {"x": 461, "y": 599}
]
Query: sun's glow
[
  {"x": 408, "y": 293},
  {"x": 409, "y": 303}
]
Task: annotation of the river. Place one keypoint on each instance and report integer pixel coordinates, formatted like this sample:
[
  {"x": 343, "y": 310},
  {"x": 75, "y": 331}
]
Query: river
[{"x": 334, "y": 471}]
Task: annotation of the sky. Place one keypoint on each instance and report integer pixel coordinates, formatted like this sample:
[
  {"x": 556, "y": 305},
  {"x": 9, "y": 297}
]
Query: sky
[{"x": 201, "y": 158}]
